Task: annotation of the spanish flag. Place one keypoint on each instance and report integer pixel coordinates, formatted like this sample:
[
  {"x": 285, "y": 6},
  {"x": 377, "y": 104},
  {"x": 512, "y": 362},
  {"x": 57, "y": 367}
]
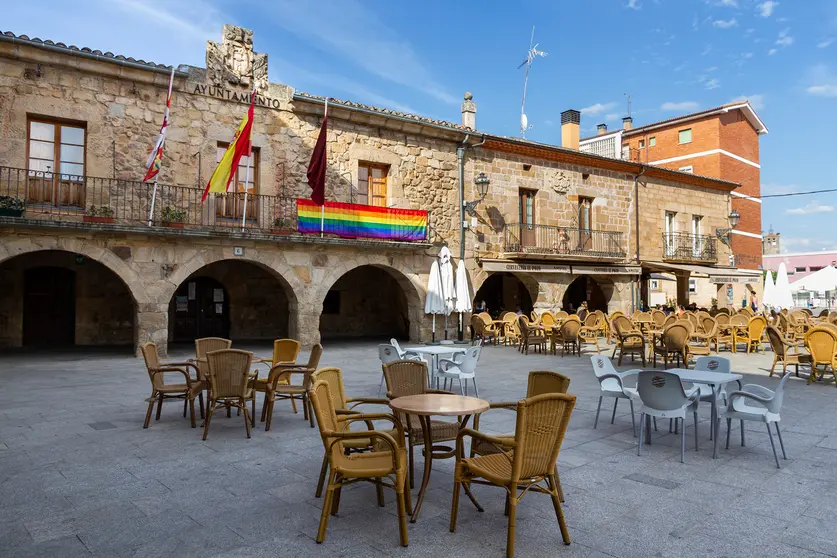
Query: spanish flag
[{"x": 239, "y": 146}]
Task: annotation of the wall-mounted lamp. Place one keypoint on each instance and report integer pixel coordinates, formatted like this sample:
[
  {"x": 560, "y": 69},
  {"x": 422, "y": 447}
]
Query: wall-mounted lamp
[
  {"x": 723, "y": 234},
  {"x": 482, "y": 182}
]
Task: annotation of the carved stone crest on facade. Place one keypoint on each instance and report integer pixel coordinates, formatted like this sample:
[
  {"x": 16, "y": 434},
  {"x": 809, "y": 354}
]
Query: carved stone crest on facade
[
  {"x": 560, "y": 182},
  {"x": 233, "y": 60}
]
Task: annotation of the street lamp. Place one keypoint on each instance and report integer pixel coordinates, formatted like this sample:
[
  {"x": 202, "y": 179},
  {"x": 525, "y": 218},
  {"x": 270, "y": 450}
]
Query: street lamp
[
  {"x": 723, "y": 234},
  {"x": 482, "y": 183}
]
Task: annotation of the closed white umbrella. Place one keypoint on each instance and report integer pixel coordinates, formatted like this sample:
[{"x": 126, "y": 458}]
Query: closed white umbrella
[
  {"x": 463, "y": 289},
  {"x": 769, "y": 288},
  {"x": 435, "y": 301},
  {"x": 782, "y": 298},
  {"x": 819, "y": 281},
  {"x": 448, "y": 286}
]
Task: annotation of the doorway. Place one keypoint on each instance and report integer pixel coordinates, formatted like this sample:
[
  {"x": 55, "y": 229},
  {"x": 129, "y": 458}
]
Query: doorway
[
  {"x": 584, "y": 289},
  {"x": 49, "y": 307},
  {"x": 526, "y": 207},
  {"x": 199, "y": 308},
  {"x": 504, "y": 292}
]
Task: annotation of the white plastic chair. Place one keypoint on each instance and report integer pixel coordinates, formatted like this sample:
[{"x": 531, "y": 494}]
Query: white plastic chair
[
  {"x": 707, "y": 395},
  {"x": 411, "y": 355},
  {"x": 663, "y": 396},
  {"x": 768, "y": 412},
  {"x": 387, "y": 354},
  {"x": 463, "y": 366},
  {"x": 611, "y": 385}
]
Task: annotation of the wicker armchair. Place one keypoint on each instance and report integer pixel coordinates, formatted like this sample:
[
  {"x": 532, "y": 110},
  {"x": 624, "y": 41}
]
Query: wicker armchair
[
  {"x": 755, "y": 331},
  {"x": 702, "y": 340},
  {"x": 190, "y": 389},
  {"x": 530, "y": 336},
  {"x": 588, "y": 334},
  {"x": 409, "y": 377},
  {"x": 280, "y": 386},
  {"x": 822, "y": 343},
  {"x": 207, "y": 345},
  {"x": 658, "y": 317},
  {"x": 674, "y": 342},
  {"x": 541, "y": 425},
  {"x": 547, "y": 321},
  {"x": 781, "y": 352},
  {"x": 567, "y": 336},
  {"x": 388, "y": 461},
  {"x": 230, "y": 384},
  {"x": 486, "y": 331},
  {"x": 285, "y": 352},
  {"x": 511, "y": 331},
  {"x": 738, "y": 330},
  {"x": 629, "y": 340},
  {"x": 343, "y": 407}
]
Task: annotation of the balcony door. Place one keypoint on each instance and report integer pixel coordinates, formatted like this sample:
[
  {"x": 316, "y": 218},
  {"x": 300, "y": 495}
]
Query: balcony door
[
  {"x": 526, "y": 206},
  {"x": 56, "y": 153},
  {"x": 231, "y": 204},
  {"x": 670, "y": 248},
  {"x": 585, "y": 224},
  {"x": 371, "y": 184},
  {"x": 697, "y": 239}
]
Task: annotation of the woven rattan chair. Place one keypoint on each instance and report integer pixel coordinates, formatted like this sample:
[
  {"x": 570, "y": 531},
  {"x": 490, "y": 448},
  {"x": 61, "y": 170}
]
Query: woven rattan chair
[
  {"x": 674, "y": 342},
  {"x": 511, "y": 331},
  {"x": 280, "y": 386},
  {"x": 541, "y": 425},
  {"x": 658, "y": 317},
  {"x": 755, "y": 330},
  {"x": 567, "y": 336},
  {"x": 785, "y": 351},
  {"x": 547, "y": 321},
  {"x": 487, "y": 332},
  {"x": 343, "y": 407},
  {"x": 589, "y": 333},
  {"x": 207, "y": 345},
  {"x": 385, "y": 466},
  {"x": 230, "y": 383},
  {"x": 190, "y": 389},
  {"x": 409, "y": 377},
  {"x": 530, "y": 336},
  {"x": 629, "y": 340},
  {"x": 711, "y": 329},
  {"x": 285, "y": 352},
  {"x": 738, "y": 330},
  {"x": 702, "y": 340},
  {"x": 822, "y": 342}
]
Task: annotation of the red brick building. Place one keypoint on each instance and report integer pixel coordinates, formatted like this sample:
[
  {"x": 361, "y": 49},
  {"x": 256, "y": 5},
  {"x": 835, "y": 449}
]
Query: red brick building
[{"x": 722, "y": 142}]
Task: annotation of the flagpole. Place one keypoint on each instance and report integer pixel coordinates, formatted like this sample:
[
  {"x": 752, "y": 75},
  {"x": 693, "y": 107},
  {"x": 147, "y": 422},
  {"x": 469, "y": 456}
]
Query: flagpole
[
  {"x": 249, "y": 162},
  {"x": 322, "y": 207},
  {"x": 153, "y": 201}
]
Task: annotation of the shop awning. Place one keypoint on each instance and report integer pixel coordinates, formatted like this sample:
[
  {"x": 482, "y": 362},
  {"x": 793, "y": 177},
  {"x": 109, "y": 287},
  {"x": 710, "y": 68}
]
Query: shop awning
[{"x": 716, "y": 274}]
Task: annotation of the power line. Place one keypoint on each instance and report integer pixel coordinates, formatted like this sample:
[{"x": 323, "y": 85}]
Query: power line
[{"x": 799, "y": 193}]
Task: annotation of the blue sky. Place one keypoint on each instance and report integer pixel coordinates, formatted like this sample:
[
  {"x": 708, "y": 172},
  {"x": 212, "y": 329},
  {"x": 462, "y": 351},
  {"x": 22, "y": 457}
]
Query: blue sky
[{"x": 672, "y": 56}]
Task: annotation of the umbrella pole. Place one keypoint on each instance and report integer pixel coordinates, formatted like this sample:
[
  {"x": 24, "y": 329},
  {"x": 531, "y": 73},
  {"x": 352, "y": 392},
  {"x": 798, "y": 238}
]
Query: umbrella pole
[
  {"x": 433, "y": 337},
  {"x": 446, "y": 327}
]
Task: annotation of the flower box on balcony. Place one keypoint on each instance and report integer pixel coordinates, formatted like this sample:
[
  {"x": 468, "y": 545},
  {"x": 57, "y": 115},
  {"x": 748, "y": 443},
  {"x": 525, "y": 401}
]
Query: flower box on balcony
[
  {"x": 281, "y": 232},
  {"x": 173, "y": 225},
  {"x": 97, "y": 219},
  {"x": 7, "y": 212},
  {"x": 11, "y": 206}
]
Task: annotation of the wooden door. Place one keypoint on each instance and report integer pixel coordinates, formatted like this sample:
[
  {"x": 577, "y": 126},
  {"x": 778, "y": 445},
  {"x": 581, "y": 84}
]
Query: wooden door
[
  {"x": 199, "y": 309},
  {"x": 585, "y": 224},
  {"x": 49, "y": 307},
  {"x": 528, "y": 234}
]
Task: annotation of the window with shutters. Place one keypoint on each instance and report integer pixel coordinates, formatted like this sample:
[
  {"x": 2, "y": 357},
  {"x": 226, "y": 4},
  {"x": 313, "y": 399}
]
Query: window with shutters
[
  {"x": 231, "y": 205},
  {"x": 371, "y": 184},
  {"x": 56, "y": 159}
]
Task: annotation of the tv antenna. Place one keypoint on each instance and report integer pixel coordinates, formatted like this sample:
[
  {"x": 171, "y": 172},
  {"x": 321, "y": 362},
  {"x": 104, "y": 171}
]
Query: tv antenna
[
  {"x": 628, "y": 95},
  {"x": 530, "y": 57}
]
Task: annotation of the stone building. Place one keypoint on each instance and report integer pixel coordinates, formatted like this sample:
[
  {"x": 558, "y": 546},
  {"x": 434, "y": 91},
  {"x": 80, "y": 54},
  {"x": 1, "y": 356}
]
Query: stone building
[{"x": 87, "y": 261}]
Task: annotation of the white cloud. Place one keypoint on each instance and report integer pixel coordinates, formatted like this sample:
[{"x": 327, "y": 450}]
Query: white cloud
[
  {"x": 725, "y": 23},
  {"x": 385, "y": 53},
  {"x": 825, "y": 43},
  {"x": 549, "y": 122},
  {"x": 711, "y": 69},
  {"x": 681, "y": 106},
  {"x": 713, "y": 83},
  {"x": 811, "y": 208},
  {"x": 773, "y": 188},
  {"x": 772, "y": 51},
  {"x": 598, "y": 108},
  {"x": 823, "y": 90},
  {"x": 784, "y": 40},
  {"x": 706, "y": 50},
  {"x": 611, "y": 116},
  {"x": 756, "y": 101},
  {"x": 723, "y": 3},
  {"x": 765, "y": 9},
  {"x": 633, "y": 4}
]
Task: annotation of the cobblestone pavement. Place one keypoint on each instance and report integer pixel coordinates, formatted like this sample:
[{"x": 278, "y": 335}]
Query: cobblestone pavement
[{"x": 79, "y": 475}]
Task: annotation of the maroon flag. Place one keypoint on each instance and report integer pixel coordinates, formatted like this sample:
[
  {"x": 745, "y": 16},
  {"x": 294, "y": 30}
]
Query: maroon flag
[{"x": 317, "y": 166}]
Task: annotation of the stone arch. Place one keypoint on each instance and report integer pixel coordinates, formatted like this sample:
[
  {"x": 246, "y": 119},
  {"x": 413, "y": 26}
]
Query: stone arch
[
  {"x": 104, "y": 256},
  {"x": 410, "y": 282},
  {"x": 532, "y": 284},
  {"x": 596, "y": 290}
]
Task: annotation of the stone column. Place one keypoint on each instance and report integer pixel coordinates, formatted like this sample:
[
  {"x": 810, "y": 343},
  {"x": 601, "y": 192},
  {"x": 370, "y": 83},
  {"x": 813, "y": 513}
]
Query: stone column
[
  {"x": 152, "y": 325},
  {"x": 308, "y": 328},
  {"x": 682, "y": 288}
]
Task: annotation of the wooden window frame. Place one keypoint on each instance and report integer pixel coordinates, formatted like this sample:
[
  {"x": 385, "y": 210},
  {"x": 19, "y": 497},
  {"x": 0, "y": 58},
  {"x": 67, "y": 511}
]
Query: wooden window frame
[
  {"x": 679, "y": 137},
  {"x": 256, "y": 178},
  {"x": 51, "y": 188},
  {"x": 230, "y": 205},
  {"x": 523, "y": 193},
  {"x": 370, "y": 197}
]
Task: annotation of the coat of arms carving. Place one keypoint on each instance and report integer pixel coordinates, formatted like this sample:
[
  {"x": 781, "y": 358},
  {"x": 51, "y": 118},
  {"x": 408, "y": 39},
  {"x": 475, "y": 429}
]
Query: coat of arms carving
[{"x": 233, "y": 60}]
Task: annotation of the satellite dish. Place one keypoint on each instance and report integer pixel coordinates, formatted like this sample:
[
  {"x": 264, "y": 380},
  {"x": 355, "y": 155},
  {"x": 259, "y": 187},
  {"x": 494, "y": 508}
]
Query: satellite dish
[{"x": 524, "y": 122}]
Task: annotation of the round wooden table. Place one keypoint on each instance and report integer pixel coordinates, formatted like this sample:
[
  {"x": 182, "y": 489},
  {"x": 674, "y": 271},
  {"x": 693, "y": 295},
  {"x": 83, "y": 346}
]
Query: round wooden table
[{"x": 424, "y": 406}]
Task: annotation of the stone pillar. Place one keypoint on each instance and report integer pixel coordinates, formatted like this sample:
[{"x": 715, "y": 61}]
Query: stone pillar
[
  {"x": 308, "y": 328},
  {"x": 152, "y": 326},
  {"x": 682, "y": 288},
  {"x": 469, "y": 112}
]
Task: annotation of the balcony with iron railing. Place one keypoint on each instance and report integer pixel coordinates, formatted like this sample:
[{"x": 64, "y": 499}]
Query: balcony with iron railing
[
  {"x": 688, "y": 247},
  {"x": 522, "y": 240},
  {"x": 34, "y": 198}
]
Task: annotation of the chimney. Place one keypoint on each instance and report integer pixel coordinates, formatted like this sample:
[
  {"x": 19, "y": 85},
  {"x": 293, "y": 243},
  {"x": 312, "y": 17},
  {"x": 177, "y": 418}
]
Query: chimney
[
  {"x": 570, "y": 121},
  {"x": 627, "y": 123},
  {"x": 469, "y": 112},
  {"x": 602, "y": 129}
]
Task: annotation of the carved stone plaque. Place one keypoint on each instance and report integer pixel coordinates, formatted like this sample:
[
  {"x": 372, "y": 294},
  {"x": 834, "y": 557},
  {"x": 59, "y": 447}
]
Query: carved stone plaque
[{"x": 233, "y": 60}]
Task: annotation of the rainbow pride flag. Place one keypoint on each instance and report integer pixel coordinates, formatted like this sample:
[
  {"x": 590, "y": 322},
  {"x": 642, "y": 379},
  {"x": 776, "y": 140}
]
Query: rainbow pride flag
[{"x": 362, "y": 221}]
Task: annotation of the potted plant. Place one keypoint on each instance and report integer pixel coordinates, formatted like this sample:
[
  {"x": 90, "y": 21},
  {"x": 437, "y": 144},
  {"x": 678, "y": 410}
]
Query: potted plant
[
  {"x": 99, "y": 214},
  {"x": 172, "y": 218},
  {"x": 11, "y": 206},
  {"x": 281, "y": 226}
]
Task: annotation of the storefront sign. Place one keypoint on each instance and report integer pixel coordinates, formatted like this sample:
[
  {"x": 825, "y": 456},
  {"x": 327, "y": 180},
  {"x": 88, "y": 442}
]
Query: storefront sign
[
  {"x": 525, "y": 267},
  {"x": 606, "y": 270},
  {"x": 234, "y": 96},
  {"x": 732, "y": 279}
]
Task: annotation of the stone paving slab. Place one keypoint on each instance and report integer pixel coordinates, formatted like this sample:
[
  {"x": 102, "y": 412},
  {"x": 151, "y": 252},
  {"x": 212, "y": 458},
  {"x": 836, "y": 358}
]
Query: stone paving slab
[{"x": 79, "y": 476}]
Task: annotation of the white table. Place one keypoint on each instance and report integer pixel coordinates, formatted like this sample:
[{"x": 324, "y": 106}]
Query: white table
[
  {"x": 434, "y": 352},
  {"x": 713, "y": 379}
]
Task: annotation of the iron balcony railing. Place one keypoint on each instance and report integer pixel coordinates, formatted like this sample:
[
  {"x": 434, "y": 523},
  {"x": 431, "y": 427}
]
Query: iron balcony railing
[
  {"x": 688, "y": 247},
  {"x": 112, "y": 202},
  {"x": 567, "y": 241}
]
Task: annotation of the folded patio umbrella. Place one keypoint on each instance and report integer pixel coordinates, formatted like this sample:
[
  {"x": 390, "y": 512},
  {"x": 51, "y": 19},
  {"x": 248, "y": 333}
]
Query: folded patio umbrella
[
  {"x": 463, "y": 292},
  {"x": 435, "y": 302},
  {"x": 448, "y": 286},
  {"x": 819, "y": 281},
  {"x": 782, "y": 297},
  {"x": 769, "y": 289}
]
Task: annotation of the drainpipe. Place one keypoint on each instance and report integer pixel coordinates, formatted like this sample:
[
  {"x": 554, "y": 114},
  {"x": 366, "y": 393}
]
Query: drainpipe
[
  {"x": 460, "y": 155},
  {"x": 636, "y": 212}
]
